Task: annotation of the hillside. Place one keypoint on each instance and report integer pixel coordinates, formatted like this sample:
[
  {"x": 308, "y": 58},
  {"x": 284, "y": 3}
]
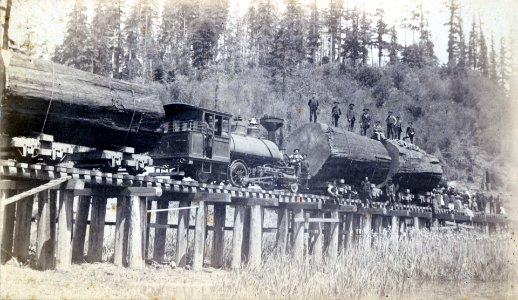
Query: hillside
[{"x": 458, "y": 118}]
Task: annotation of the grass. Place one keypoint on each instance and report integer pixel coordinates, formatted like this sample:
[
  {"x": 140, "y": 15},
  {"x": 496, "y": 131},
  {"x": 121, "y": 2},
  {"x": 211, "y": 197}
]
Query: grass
[{"x": 386, "y": 267}]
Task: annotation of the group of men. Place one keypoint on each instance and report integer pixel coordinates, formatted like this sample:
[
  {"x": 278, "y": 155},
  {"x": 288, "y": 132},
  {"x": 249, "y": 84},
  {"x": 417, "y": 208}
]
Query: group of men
[
  {"x": 367, "y": 191},
  {"x": 451, "y": 199},
  {"x": 439, "y": 198},
  {"x": 394, "y": 123}
]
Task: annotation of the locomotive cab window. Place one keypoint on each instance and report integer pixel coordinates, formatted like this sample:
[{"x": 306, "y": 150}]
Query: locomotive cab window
[
  {"x": 225, "y": 124},
  {"x": 218, "y": 126}
]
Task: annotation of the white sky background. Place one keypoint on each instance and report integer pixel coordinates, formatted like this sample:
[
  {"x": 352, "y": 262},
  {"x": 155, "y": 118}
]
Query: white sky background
[{"x": 47, "y": 19}]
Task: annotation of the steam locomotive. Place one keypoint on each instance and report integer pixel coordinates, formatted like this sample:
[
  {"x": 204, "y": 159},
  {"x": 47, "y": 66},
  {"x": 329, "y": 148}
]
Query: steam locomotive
[{"x": 208, "y": 145}]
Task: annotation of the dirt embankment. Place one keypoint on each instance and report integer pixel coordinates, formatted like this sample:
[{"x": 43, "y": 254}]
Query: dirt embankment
[{"x": 106, "y": 281}]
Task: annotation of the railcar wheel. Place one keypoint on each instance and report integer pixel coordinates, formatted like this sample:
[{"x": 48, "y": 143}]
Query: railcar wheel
[
  {"x": 237, "y": 173},
  {"x": 134, "y": 171},
  {"x": 294, "y": 187},
  {"x": 112, "y": 170},
  {"x": 202, "y": 177}
]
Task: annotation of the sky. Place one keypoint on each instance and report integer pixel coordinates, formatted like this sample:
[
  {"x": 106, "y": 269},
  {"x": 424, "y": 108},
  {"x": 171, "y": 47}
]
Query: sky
[{"x": 46, "y": 19}]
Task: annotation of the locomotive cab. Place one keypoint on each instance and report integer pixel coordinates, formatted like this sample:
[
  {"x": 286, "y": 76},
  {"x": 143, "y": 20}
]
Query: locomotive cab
[{"x": 196, "y": 141}]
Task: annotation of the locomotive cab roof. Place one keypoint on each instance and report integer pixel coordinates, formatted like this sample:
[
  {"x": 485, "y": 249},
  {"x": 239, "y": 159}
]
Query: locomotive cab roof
[{"x": 186, "y": 112}]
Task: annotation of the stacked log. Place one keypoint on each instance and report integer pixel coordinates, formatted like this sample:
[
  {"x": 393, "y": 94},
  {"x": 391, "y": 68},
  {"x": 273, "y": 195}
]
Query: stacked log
[{"x": 76, "y": 107}]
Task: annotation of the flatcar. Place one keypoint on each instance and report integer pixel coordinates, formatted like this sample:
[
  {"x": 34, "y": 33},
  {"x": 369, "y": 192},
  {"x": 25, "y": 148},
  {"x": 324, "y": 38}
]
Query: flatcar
[{"x": 209, "y": 145}]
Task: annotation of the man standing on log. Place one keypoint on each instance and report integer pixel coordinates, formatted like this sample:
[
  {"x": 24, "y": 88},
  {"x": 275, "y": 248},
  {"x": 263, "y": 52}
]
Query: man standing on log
[
  {"x": 351, "y": 117},
  {"x": 336, "y": 112},
  {"x": 410, "y": 132},
  {"x": 391, "y": 126},
  {"x": 377, "y": 131},
  {"x": 313, "y": 108},
  {"x": 365, "y": 121},
  {"x": 399, "y": 128}
]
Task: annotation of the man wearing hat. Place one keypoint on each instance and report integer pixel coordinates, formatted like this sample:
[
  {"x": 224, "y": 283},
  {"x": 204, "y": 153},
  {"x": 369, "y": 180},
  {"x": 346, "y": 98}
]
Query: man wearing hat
[
  {"x": 351, "y": 117},
  {"x": 377, "y": 132},
  {"x": 366, "y": 192},
  {"x": 342, "y": 188},
  {"x": 336, "y": 112},
  {"x": 365, "y": 121},
  {"x": 407, "y": 197},
  {"x": 332, "y": 191},
  {"x": 410, "y": 132},
  {"x": 313, "y": 107},
  {"x": 390, "y": 191},
  {"x": 399, "y": 128},
  {"x": 304, "y": 171},
  {"x": 296, "y": 161},
  {"x": 391, "y": 125}
]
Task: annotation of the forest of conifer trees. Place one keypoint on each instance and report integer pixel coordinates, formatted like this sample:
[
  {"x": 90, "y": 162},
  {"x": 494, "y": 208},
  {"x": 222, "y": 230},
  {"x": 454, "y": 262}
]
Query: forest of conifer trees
[{"x": 139, "y": 41}]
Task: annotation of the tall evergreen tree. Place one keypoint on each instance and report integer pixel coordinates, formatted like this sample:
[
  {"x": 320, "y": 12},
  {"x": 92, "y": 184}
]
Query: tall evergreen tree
[
  {"x": 503, "y": 63},
  {"x": 140, "y": 41},
  {"x": 473, "y": 46},
  {"x": 365, "y": 36},
  {"x": 207, "y": 31},
  {"x": 453, "y": 31},
  {"x": 262, "y": 21},
  {"x": 393, "y": 46},
  {"x": 5, "y": 25},
  {"x": 483, "y": 64},
  {"x": 334, "y": 17},
  {"x": 493, "y": 73},
  {"x": 288, "y": 45},
  {"x": 178, "y": 19},
  {"x": 76, "y": 49},
  {"x": 461, "y": 59},
  {"x": 353, "y": 48},
  {"x": 381, "y": 31},
  {"x": 106, "y": 37},
  {"x": 313, "y": 35}
]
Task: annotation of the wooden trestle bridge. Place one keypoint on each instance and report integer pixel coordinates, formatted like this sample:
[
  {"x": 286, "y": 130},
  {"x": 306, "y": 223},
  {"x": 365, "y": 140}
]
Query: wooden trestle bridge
[{"x": 57, "y": 189}]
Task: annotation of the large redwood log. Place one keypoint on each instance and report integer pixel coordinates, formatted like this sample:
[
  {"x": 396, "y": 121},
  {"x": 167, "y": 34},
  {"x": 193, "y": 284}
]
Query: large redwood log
[
  {"x": 83, "y": 108},
  {"x": 335, "y": 154}
]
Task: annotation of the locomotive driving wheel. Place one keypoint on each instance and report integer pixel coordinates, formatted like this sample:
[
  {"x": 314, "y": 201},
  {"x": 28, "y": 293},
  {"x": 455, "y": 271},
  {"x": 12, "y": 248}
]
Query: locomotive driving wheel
[{"x": 237, "y": 172}]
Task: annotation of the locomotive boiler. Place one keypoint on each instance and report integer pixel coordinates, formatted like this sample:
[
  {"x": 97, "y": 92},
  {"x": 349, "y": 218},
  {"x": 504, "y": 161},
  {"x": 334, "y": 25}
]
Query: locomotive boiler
[{"x": 335, "y": 154}]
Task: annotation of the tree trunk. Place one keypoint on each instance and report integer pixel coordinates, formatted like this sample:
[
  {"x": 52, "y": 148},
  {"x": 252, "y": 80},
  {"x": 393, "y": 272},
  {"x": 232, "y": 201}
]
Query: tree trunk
[{"x": 5, "y": 39}]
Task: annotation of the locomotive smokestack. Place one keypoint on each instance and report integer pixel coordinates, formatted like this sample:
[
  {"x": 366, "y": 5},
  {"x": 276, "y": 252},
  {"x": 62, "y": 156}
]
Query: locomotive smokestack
[{"x": 271, "y": 124}]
